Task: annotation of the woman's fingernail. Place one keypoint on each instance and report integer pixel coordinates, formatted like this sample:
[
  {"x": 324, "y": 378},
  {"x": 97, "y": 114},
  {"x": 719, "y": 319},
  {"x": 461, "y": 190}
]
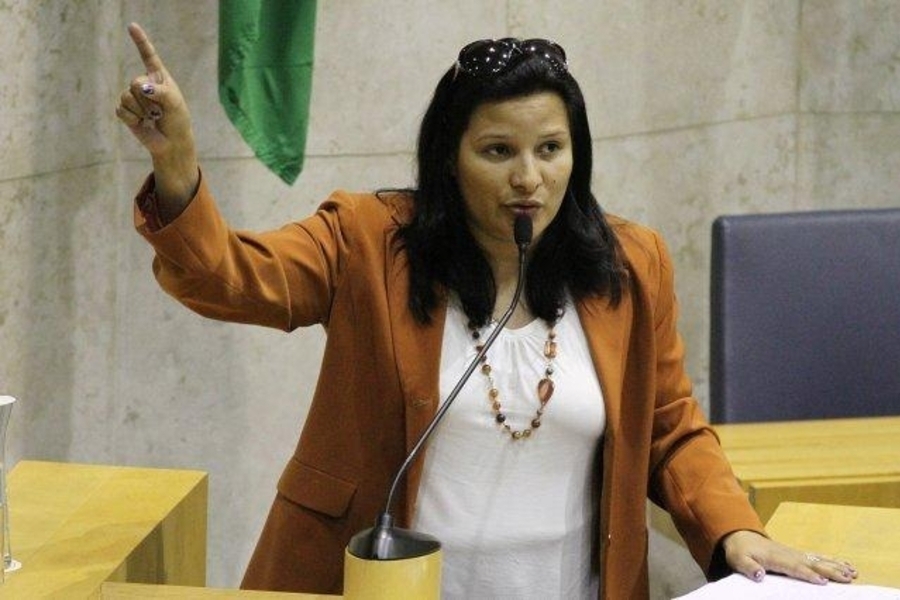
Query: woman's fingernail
[
  {"x": 147, "y": 89},
  {"x": 821, "y": 580},
  {"x": 757, "y": 576},
  {"x": 155, "y": 113}
]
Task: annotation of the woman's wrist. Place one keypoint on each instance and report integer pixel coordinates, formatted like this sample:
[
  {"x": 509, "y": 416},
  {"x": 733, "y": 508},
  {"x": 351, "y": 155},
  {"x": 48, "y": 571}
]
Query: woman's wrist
[{"x": 175, "y": 187}]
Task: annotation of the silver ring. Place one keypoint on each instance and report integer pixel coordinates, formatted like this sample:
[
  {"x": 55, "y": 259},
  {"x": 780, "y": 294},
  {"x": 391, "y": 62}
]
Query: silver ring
[{"x": 813, "y": 558}]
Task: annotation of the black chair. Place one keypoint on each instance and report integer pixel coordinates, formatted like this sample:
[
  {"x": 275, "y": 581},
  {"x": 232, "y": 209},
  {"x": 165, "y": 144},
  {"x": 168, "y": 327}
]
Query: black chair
[{"x": 805, "y": 316}]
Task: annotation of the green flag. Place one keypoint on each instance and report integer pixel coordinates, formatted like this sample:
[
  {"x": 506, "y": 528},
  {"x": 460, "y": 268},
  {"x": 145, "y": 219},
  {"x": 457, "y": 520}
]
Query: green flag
[{"x": 265, "y": 76}]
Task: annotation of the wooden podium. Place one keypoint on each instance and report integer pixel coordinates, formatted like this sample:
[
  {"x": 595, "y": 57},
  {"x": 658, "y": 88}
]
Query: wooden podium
[
  {"x": 139, "y": 591},
  {"x": 74, "y": 527}
]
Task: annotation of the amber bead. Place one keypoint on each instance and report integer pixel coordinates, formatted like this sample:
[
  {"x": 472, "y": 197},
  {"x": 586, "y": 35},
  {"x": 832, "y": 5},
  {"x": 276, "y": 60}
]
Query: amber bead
[
  {"x": 550, "y": 349},
  {"x": 545, "y": 390}
]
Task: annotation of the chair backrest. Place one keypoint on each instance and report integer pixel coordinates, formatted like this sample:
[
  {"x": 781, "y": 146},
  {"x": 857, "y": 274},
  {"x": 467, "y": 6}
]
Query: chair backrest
[{"x": 805, "y": 315}]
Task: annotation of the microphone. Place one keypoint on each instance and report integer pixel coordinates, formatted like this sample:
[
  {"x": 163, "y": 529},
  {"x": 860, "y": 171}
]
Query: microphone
[
  {"x": 523, "y": 230},
  {"x": 384, "y": 541}
]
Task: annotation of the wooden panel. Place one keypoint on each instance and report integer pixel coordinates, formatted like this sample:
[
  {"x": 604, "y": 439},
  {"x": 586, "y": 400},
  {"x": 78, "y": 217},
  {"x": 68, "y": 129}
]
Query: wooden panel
[
  {"x": 801, "y": 449},
  {"x": 884, "y": 491},
  {"x": 865, "y": 536},
  {"x": 740, "y": 435},
  {"x": 75, "y": 526},
  {"x": 132, "y": 591}
]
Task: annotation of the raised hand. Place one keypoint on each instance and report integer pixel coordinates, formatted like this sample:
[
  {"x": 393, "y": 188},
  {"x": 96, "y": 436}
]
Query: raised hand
[{"x": 155, "y": 111}]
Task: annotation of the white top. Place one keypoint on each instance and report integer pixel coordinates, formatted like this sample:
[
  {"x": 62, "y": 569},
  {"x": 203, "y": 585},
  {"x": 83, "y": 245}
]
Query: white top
[{"x": 515, "y": 518}]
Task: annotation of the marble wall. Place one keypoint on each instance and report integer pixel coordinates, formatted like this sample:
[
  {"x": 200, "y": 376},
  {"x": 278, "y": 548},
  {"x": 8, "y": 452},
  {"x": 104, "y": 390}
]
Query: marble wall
[{"x": 698, "y": 107}]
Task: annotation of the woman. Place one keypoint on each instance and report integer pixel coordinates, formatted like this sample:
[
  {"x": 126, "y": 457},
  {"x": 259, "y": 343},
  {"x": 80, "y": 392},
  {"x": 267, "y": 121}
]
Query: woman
[{"x": 535, "y": 482}]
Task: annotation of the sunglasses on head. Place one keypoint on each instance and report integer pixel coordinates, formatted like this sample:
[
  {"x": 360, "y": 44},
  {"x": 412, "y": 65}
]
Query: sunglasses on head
[{"x": 491, "y": 57}]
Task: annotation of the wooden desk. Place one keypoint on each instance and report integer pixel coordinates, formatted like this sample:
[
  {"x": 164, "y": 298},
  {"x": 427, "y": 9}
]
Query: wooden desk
[
  {"x": 834, "y": 461},
  {"x": 135, "y": 591},
  {"x": 75, "y": 526},
  {"x": 867, "y": 537}
]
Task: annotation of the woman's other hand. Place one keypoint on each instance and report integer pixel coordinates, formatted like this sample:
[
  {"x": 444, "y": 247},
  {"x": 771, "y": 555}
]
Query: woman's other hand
[
  {"x": 154, "y": 110},
  {"x": 753, "y": 555}
]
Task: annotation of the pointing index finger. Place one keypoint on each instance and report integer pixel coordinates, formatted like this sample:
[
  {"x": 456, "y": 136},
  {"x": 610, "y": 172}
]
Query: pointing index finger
[{"x": 150, "y": 58}]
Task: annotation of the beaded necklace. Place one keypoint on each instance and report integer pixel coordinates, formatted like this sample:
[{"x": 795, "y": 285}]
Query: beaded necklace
[{"x": 545, "y": 386}]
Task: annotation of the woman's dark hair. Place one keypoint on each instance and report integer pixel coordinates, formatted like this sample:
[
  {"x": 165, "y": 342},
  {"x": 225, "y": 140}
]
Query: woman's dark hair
[{"x": 578, "y": 250}]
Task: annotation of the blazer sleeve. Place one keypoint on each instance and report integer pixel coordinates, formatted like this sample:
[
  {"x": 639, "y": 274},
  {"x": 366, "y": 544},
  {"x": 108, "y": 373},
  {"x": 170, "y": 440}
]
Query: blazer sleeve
[
  {"x": 690, "y": 474},
  {"x": 285, "y": 278}
]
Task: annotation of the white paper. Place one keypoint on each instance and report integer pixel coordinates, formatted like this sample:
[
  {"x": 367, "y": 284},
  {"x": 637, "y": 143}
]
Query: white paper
[{"x": 776, "y": 587}]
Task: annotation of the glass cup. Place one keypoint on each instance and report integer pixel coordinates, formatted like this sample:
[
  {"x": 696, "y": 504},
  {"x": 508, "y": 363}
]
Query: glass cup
[{"x": 6, "y": 404}]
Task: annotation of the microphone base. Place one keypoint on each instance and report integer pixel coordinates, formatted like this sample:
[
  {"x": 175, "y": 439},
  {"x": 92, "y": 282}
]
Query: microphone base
[
  {"x": 371, "y": 579},
  {"x": 386, "y": 562},
  {"x": 386, "y": 542}
]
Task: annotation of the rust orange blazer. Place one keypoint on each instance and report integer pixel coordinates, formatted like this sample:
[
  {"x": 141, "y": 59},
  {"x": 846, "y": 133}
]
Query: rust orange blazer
[{"x": 378, "y": 385}]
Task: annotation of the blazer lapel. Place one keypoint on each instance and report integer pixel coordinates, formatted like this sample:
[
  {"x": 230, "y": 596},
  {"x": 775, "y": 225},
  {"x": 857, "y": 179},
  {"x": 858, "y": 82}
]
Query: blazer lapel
[
  {"x": 417, "y": 349},
  {"x": 607, "y": 330}
]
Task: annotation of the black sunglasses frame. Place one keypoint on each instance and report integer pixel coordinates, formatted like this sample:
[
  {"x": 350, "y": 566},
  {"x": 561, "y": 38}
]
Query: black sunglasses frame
[{"x": 485, "y": 58}]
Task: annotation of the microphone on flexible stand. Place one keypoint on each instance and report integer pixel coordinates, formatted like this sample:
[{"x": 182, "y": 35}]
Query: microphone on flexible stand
[{"x": 384, "y": 542}]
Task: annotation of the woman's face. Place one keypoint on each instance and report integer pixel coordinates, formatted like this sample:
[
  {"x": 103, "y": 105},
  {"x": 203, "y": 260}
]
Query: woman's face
[{"x": 515, "y": 157}]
